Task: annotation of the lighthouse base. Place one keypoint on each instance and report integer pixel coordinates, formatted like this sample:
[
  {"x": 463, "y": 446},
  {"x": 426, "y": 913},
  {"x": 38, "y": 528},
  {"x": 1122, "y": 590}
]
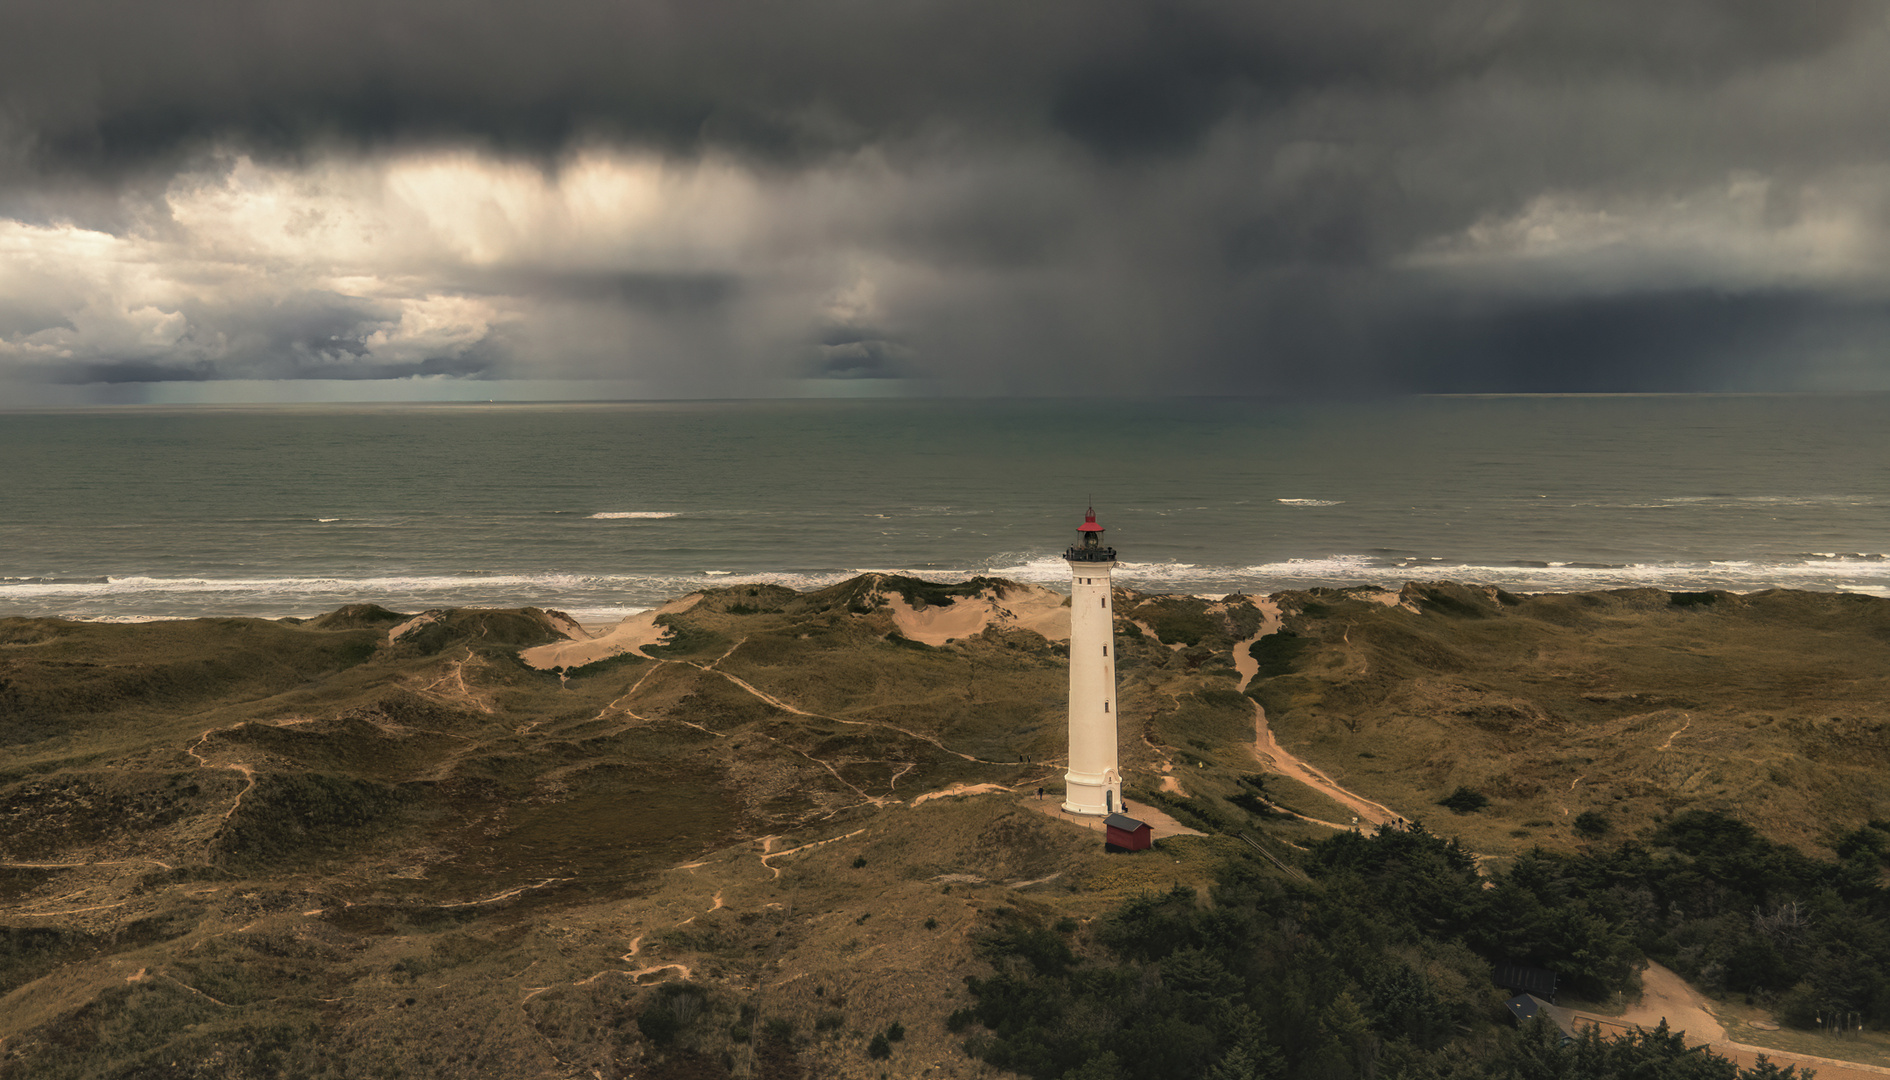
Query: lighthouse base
[{"x": 1088, "y": 793}]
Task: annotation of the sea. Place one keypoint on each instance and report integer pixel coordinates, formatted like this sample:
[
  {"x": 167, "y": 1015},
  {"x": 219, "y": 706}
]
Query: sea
[{"x": 604, "y": 509}]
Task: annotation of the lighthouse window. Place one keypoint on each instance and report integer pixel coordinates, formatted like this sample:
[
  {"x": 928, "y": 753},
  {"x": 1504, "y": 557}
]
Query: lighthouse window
[
  {"x": 1105, "y": 650},
  {"x": 1104, "y": 599},
  {"x": 1105, "y": 706}
]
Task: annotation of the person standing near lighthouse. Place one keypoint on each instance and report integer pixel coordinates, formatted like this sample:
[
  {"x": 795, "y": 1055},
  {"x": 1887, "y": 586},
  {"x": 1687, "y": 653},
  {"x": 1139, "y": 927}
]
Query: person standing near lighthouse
[{"x": 1093, "y": 785}]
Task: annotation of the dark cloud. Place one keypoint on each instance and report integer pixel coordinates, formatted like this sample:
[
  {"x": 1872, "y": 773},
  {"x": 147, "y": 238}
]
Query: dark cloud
[
  {"x": 1072, "y": 195},
  {"x": 104, "y": 84},
  {"x": 1680, "y": 341}
]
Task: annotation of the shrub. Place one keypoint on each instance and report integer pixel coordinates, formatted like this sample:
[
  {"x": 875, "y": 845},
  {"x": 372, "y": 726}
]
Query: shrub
[
  {"x": 1592, "y": 823},
  {"x": 879, "y": 1048},
  {"x": 658, "y": 1024},
  {"x": 1464, "y": 801}
]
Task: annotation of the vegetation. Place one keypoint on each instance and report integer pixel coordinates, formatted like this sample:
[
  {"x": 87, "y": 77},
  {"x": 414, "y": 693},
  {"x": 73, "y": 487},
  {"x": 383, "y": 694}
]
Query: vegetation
[
  {"x": 250, "y": 849},
  {"x": 1375, "y": 968},
  {"x": 1630, "y": 704},
  {"x": 1464, "y": 801}
]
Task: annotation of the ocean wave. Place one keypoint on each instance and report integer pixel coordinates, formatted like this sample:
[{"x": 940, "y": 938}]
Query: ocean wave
[
  {"x": 615, "y": 514},
  {"x": 1837, "y": 557},
  {"x": 1778, "y": 500},
  {"x": 291, "y": 585},
  {"x": 1330, "y": 566},
  {"x": 605, "y": 595},
  {"x": 1310, "y": 502}
]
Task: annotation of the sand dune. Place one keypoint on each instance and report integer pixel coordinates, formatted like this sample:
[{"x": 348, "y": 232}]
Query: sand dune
[
  {"x": 1031, "y": 607},
  {"x": 628, "y": 636}
]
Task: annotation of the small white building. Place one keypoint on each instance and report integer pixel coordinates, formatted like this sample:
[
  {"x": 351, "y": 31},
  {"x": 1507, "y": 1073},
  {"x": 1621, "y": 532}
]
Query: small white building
[{"x": 1093, "y": 785}]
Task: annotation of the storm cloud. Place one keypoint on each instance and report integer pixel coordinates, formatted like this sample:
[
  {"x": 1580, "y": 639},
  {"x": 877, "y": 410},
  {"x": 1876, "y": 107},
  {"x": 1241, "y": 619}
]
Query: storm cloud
[{"x": 1055, "y": 197}]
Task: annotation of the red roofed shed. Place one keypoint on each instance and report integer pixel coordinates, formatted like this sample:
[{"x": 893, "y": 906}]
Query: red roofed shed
[{"x": 1123, "y": 831}]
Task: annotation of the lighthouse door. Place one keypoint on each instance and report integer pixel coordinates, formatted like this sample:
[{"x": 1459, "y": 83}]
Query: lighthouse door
[{"x": 1109, "y": 801}]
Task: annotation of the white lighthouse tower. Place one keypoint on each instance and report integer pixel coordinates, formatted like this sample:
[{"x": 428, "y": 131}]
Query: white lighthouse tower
[{"x": 1093, "y": 785}]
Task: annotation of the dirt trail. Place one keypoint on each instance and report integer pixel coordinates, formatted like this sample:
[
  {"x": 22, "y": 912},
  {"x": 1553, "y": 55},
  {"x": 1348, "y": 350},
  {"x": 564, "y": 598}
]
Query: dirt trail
[
  {"x": 619, "y": 706},
  {"x": 1244, "y": 663},
  {"x": 818, "y": 843},
  {"x": 1666, "y": 996},
  {"x": 770, "y": 699},
  {"x": 1268, "y": 752}
]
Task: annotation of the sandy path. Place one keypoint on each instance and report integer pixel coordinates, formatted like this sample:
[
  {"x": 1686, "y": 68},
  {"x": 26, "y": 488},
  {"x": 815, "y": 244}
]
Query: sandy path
[
  {"x": 1827, "y": 1068},
  {"x": 1268, "y": 752},
  {"x": 1666, "y": 996},
  {"x": 770, "y": 854},
  {"x": 1244, "y": 663},
  {"x": 956, "y": 790},
  {"x": 770, "y": 699}
]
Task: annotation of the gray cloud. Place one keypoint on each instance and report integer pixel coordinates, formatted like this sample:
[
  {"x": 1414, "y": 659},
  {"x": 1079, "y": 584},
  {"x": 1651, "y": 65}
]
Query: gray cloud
[
  {"x": 1130, "y": 196},
  {"x": 104, "y": 83}
]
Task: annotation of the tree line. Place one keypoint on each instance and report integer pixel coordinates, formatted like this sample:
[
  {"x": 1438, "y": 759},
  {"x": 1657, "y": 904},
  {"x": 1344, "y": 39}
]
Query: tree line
[{"x": 1379, "y": 966}]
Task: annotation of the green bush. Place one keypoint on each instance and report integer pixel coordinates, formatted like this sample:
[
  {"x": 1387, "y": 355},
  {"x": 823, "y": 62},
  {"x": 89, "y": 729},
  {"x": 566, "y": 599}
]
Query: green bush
[
  {"x": 1464, "y": 801},
  {"x": 658, "y": 1024}
]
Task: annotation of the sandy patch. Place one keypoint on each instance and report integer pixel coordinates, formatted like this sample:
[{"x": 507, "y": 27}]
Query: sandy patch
[
  {"x": 1389, "y": 598},
  {"x": 414, "y": 623},
  {"x": 1244, "y": 663},
  {"x": 628, "y": 636},
  {"x": 959, "y": 789},
  {"x": 1031, "y": 607},
  {"x": 1159, "y": 824},
  {"x": 1666, "y": 996},
  {"x": 569, "y": 627}
]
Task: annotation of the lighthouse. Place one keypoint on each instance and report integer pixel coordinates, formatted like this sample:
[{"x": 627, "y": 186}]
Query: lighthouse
[{"x": 1093, "y": 785}]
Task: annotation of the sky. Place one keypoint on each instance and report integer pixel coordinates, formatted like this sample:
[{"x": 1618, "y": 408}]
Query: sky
[{"x": 213, "y": 200}]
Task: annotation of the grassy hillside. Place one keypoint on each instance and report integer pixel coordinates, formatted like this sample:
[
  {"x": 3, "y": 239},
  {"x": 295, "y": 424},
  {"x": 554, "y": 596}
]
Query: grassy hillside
[
  {"x": 1625, "y": 706},
  {"x": 373, "y": 844}
]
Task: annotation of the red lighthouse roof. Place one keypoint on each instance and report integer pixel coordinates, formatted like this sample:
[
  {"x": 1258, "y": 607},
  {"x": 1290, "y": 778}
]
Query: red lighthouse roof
[{"x": 1089, "y": 523}]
